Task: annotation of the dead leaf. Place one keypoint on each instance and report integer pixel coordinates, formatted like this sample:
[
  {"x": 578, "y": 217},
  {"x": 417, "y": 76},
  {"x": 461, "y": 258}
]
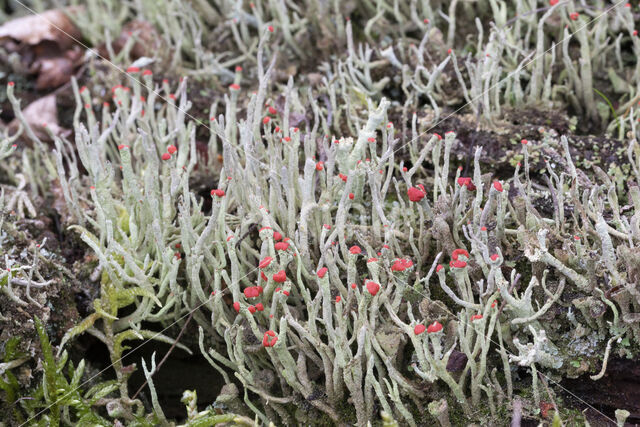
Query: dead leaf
[
  {"x": 52, "y": 25},
  {"x": 148, "y": 41},
  {"x": 54, "y": 71},
  {"x": 41, "y": 115}
]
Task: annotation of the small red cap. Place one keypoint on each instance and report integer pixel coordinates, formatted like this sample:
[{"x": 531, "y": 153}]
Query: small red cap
[
  {"x": 434, "y": 327},
  {"x": 373, "y": 288}
]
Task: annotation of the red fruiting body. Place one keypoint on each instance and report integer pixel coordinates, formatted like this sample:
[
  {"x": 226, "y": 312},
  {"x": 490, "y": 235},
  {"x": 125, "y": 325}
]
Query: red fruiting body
[
  {"x": 10, "y": 84},
  {"x": 217, "y": 192},
  {"x": 253, "y": 291},
  {"x": 147, "y": 72},
  {"x": 230, "y": 237},
  {"x": 281, "y": 246},
  {"x": 322, "y": 272},
  {"x": 419, "y": 328},
  {"x": 272, "y": 110},
  {"x": 166, "y": 156},
  {"x": 524, "y": 142},
  {"x": 434, "y": 327},
  {"x": 494, "y": 257},
  {"x": 353, "y": 286},
  {"x": 172, "y": 149},
  {"x": 476, "y": 317},
  {"x": 267, "y": 341},
  {"x": 121, "y": 147},
  {"x": 439, "y": 267},
  {"x": 466, "y": 181},
  {"x": 238, "y": 69},
  {"x": 493, "y": 304},
  {"x": 457, "y": 252},
  {"x": 287, "y": 138},
  {"x": 351, "y": 196},
  {"x": 497, "y": 185},
  {"x": 251, "y": 309},
  {"x": 236, "y": 306},
  {"x": 265, "y": 262},
  {"x": 635, "y": 32},
  {"x": 355, "y": 250},
  {"x": 338, "y": 298},
  {"x": 343, "y": 177},
  {"x": 133, "y": 70},
  {"x": 277, "y": 236},
  {"x": 259, "y": 306},
  {"x": 319, "y": 166},
  {"x": 264, "y": 228},
  {"x": 270, "y": 28},
  {"x": 279, "y": 277},
  {"x": 371, "y": 139},
  {"x": 553, "y": 2},
  {"x": 263, "y": 276},
  {"x": 416, "y": 194},
  {"x": 372, "y": 260},
  {"x": 373, "y": 288},
  {"x": 286, "y": 293},
  {"x": 266, "y": 120},
  {"x": 574, "y": 16},
  {"x": 234, "y": 86},
  {"x": 401, "y": 265},
  {"x": 457, "y": 264}
]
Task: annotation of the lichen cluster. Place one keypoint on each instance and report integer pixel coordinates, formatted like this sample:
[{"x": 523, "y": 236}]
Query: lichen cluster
[{"x": 343, "y": 262}]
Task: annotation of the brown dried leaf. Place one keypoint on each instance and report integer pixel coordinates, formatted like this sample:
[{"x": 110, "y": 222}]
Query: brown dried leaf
[
  {"x": 52, "y": 25},
  {"x": 54, "y": 72},
  {"x": 41, "y": 115},
  {"x": 148, "y": 41}
]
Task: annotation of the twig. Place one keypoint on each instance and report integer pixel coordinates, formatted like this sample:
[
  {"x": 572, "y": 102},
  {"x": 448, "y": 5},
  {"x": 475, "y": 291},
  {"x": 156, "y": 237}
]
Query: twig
[
  {"x": 166, "y": 356},
  {"x": 553, "y": 402}
]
